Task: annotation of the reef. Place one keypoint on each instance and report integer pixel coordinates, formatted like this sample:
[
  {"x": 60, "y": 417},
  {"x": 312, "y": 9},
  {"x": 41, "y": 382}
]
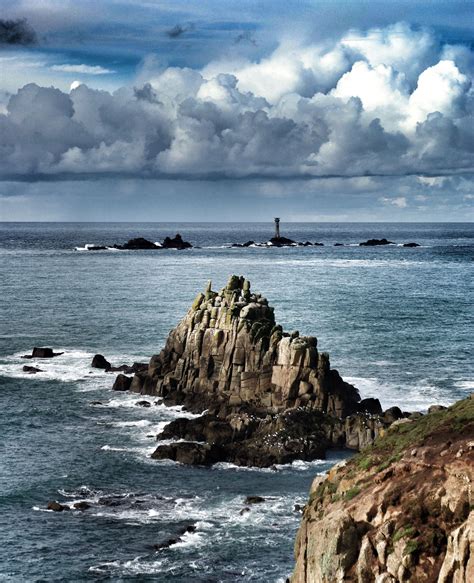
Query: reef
[
  {"x": 400, "y": 510},
  {"x": 269, "y": 397},
  {"x": 278, "y": 242}
]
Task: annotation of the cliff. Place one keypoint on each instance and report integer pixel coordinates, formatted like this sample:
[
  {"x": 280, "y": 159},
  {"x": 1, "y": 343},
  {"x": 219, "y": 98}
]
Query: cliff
[
  {"x": 228, "y": 357},
  {"x": 400, "y": 510}
]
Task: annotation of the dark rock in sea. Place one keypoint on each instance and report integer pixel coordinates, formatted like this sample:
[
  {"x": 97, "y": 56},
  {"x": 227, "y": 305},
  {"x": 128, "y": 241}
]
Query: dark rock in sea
[
  {"x": 99, "y": 361},
  {"x": 57, "y": 507},
  {"x": 42, "y": 353},
  {"x": 96, "y": 248},
  {"x": 271, "y": 397},
  {"x": 254, "y": 500},
  {"x": 143, "y": 404},
  {"x": 175, "y": 539},
  {"x": 138, "y": 243},
  {"x": 244, "y": 511},
  {"x": 282, "y": 242},
  {"x": 247, "y": 244},
  {"x": 122, "y": 383},
  {"x": 175, "y": 243},
  {"x": 375, "y": 242},
  {"x": 31, "y": 369},
  {"x": 81, "y": 506},
  {"x": 411, "y": 244},
  {"x": 298, "y": 508},
  {"x": 338, "y": 244},
  {"x": 96, "y": 403}
]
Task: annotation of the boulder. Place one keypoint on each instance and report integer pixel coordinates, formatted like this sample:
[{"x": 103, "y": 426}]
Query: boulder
[
  {"x": 143, "y": 404},
  {"x": 122, "y": 383},
  {"x": 99, "y": 361},
  {"x": 411, "y": 244}
]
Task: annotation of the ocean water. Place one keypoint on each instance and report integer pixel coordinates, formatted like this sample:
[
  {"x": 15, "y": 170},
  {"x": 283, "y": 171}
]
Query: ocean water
[{"x": 397, "y": 323}]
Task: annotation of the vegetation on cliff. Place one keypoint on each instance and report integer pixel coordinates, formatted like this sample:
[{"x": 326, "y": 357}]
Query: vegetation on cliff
[{"x": 400, "y": 510}]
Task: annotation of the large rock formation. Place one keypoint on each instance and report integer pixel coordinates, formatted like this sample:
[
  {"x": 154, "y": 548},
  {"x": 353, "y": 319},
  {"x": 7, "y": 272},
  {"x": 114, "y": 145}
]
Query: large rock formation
[
  {"x": 401, "y": 510},
  {"x": 228, "y": 356}
]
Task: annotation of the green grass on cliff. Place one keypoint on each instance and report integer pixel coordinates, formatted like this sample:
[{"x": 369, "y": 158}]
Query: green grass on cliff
[{"x": 456, "y": 421}]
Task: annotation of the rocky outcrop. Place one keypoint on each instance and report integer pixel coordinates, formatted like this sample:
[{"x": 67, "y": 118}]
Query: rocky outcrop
[
  {"x": 42, "y": 353},
  {"x": 229, "y": 357},
  {"x": 401, "y": 510}
]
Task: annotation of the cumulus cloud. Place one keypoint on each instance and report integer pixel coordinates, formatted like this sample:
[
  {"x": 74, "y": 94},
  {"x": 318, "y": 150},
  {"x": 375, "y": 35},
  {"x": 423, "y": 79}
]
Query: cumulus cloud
[
  {"x": 399, "y": 201},
  {"x": 388, "y": 102}
]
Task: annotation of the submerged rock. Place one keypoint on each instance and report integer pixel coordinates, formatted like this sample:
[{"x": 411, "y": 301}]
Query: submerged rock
[
  {"x": 270, "y": 396},
  {"x": 401, "y": 510},
  {"x": 411, "y": 244},
  {"x": 254, "y": 500}
]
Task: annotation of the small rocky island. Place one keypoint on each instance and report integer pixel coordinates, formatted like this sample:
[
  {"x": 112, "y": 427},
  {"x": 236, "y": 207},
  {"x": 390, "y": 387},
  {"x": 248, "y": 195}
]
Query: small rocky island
[
  {"x": 140, "y": 243},
  {"x": 400, "y": 510},
  {"x": 268, "y": 397},
  {"x": 278, "y": 241}
]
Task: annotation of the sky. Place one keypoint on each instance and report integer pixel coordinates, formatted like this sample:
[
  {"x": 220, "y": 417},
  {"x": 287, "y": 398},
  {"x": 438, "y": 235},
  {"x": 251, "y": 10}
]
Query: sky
[{"x": 236, "y": 110}]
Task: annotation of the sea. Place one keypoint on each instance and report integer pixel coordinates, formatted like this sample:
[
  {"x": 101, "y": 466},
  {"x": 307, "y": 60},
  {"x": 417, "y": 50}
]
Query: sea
[{"x": 396, "y": 321}]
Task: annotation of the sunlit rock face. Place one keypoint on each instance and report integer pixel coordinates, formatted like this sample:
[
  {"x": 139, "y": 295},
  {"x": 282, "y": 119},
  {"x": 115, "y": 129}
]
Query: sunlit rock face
[{"x": 229, "y": 350}]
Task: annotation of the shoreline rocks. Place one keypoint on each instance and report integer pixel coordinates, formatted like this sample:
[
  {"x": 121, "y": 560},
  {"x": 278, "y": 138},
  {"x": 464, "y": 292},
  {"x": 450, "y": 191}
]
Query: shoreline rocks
[
  {"x": 271, "y": 397},
  {"x": 278, "y": 242}
]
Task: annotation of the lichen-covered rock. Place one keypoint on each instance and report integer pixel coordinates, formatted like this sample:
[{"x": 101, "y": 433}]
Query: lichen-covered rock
[
  {"x": 229, "y": 350},
  {"x": 399, "y": 511}
]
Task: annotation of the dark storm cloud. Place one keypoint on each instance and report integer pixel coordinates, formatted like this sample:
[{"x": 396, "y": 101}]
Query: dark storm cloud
[
  {"x": 178, "y": 30},
  {"x": 17, "y": 32}
]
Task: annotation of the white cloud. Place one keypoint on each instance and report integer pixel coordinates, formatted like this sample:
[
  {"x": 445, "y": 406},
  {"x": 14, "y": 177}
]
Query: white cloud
[
  {"x": 399, "y": 201},
  {"x": 353, "y": 108},
  {"x": 84, "y": 69}
]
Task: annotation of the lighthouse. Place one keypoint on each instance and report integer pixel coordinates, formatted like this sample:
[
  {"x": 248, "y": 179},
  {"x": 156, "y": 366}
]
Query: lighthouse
[{"x": 277, "y": 228}]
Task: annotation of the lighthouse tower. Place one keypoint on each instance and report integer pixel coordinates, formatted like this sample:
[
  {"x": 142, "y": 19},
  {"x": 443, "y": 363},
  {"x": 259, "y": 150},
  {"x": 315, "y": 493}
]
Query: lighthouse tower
[{"x": 277, "y": 228}]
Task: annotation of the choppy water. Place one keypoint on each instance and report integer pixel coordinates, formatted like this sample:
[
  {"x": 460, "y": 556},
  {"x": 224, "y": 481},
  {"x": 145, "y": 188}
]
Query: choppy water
[{"x": 397, "y": 323}]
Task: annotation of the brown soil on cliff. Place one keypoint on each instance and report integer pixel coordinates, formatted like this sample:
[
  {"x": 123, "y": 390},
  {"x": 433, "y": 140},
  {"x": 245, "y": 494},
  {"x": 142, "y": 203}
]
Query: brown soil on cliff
[{"x": 401, "y": 510}]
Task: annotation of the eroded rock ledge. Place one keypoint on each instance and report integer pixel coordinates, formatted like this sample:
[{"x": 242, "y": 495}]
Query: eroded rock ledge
[
  {"x": 270, "y": 396},
  {"x": 401, "y": 510}
]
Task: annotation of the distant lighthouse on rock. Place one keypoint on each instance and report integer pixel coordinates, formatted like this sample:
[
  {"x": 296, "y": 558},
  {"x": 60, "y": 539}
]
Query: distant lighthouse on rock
[{"x": 277, "y": 228}]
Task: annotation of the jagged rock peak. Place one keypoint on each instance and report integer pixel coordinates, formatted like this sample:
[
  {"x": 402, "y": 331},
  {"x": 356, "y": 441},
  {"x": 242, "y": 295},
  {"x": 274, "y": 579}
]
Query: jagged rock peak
[{"x": 229, "y": 350}]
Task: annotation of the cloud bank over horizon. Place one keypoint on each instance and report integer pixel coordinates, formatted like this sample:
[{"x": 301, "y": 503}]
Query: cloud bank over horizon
[{"x": 390, "y": 101}]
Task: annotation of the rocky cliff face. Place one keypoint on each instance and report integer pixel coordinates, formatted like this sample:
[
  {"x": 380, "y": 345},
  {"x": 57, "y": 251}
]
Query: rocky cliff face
[
  {"x": 228, "y": 356},
  {"x": 401, "y": 510}
]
